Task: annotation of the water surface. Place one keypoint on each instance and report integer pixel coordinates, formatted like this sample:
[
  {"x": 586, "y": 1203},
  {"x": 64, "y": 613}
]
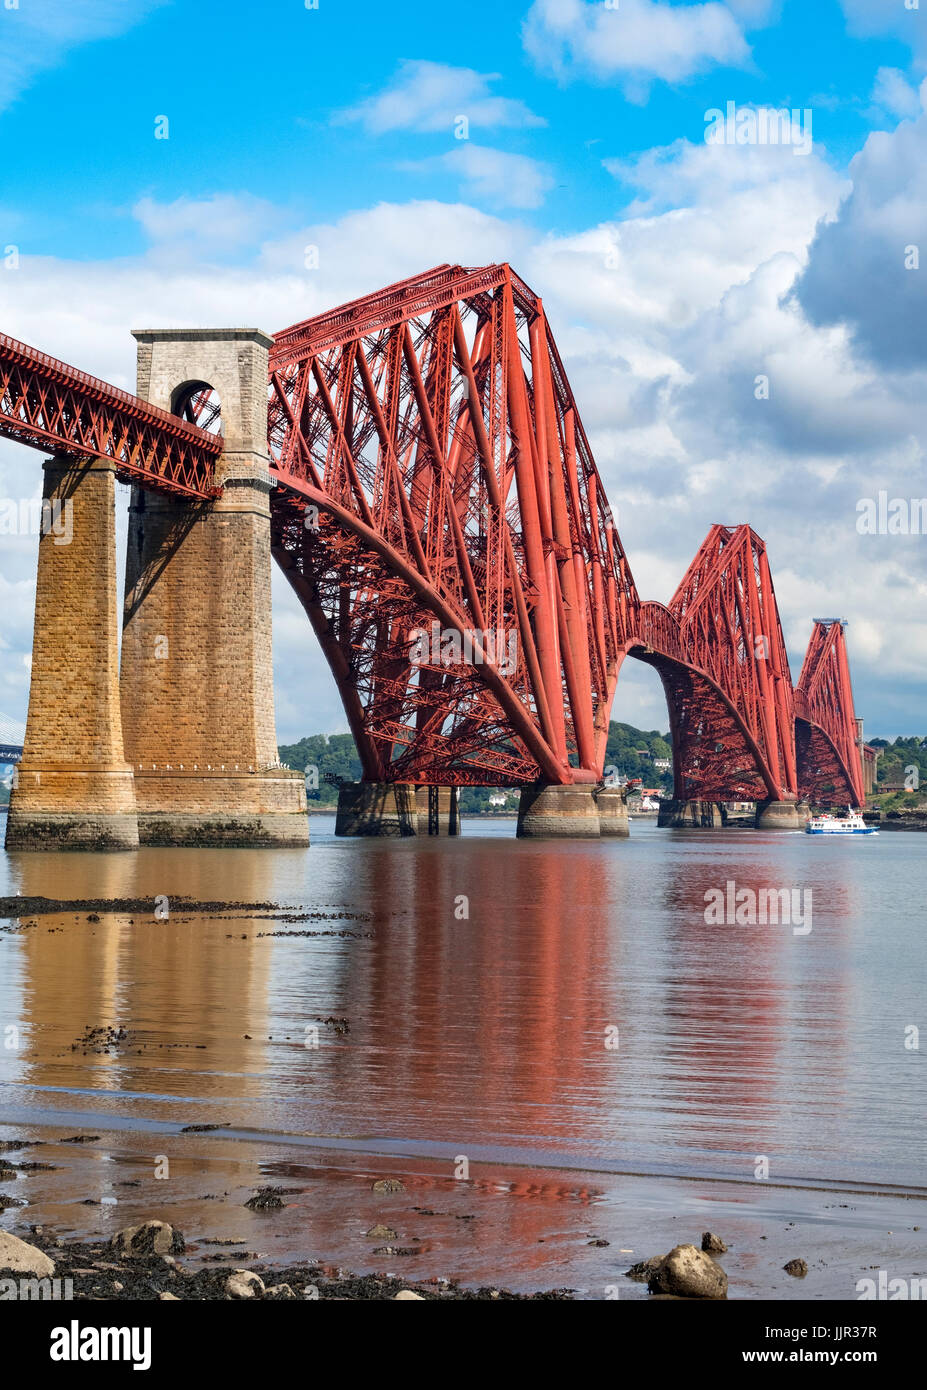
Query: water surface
[{"x": 485, "y": 983}]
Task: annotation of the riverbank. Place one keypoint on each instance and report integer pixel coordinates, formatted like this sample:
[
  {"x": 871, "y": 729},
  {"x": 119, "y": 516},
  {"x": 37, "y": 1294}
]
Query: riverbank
[{"x": 299, "y": 1212}]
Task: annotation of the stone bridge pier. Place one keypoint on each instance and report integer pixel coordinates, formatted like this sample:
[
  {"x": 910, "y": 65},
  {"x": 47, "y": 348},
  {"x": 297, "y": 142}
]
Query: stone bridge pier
[
  {"x": 197, "y": 677},
  {"x": 178, "y": 747},
  {"x": 73, "y": 788}
]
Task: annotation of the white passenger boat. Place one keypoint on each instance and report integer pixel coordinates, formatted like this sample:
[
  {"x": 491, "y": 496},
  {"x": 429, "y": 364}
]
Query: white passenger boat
[{"x": 850, "y": 824}]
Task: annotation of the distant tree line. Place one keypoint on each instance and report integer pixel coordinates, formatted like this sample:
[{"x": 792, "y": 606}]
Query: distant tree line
[
  {"x": 331, "y": 755},
  {"x": 335, "y": 756},
  {"x": 902, "y": 761}
]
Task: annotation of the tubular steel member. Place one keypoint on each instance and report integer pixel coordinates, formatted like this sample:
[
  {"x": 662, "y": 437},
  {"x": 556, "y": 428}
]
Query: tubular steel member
[{"x": 438, "y": 810}]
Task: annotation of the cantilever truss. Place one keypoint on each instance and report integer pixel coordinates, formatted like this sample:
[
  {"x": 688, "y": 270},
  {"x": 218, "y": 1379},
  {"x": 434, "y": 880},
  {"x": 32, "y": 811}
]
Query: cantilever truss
[
  {"x": 728, "y": 685},
  {"x": 826, "y": 732},
  {"x": 434, "y": 477}
]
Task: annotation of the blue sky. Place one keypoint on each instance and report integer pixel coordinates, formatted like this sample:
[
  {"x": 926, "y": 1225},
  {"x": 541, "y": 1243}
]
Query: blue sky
[
  {"x": 262, "y": 108},
  {"x": 674, "y": 273}
]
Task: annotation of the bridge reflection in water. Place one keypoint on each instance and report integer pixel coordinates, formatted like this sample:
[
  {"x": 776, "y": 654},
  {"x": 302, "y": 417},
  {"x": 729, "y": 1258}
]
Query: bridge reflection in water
[{"x": 584, "y": 1008}]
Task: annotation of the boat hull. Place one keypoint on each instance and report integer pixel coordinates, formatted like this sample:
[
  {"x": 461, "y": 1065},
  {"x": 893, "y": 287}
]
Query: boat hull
[{"x": 869, "y": 830}]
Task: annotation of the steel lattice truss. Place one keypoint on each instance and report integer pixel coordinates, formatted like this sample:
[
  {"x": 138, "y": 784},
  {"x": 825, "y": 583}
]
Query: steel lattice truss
[
  {"x": 726, "y": 675},
  {"x": 436, "y": 478},
  {"x": 826, "y": 734},
  {"x": 51, "y": 406},
  {"x": 439, "y": 513}
]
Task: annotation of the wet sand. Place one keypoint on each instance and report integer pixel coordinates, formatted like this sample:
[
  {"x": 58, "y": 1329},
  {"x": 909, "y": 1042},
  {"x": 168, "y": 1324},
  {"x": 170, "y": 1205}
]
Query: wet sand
[{"x": 505, "y": 1228}]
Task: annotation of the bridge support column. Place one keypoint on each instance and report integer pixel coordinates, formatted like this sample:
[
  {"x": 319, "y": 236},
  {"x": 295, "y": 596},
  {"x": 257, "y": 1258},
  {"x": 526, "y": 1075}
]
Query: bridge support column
[
  {"x": 613, "y": 812},
  {"x": 74, "y": 788},
  {"x": 438, "y": 812},
  {"x": 777, "y": 815},
  {"x": 197, "y": 680},
  {"x": 690, "y": 815},
  {"x": 550, "y": 812},
  {"x": 377, "y": 808}
]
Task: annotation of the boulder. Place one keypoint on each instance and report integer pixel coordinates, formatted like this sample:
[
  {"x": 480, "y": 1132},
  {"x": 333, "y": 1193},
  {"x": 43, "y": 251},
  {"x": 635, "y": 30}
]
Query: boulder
[
  {"x": 151, "y": 1238},
  {"x": 713, "y": 1244},
  {"x": 279, "y": 1291},
  {"x": 381, "y": 1232},
  {"x": 406, "y": 1294},
  {"x": 797, "y": 1268},
  {"x": 243, "y": 1283},
  {"x": 688, "y": 1273},
  {"x": 21, "y": 1258}
]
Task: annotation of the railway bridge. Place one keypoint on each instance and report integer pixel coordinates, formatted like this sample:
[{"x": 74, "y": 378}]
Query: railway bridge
[{"x": 416, "y": 464}]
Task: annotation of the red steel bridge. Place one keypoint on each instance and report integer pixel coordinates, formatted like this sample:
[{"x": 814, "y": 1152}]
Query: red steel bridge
[{"x": 432, "y": 476}]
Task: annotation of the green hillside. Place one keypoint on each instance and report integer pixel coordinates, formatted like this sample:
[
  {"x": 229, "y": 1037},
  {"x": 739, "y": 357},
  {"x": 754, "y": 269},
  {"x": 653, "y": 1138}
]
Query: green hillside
[
  {"x": 902, "y": 761},
  {"x": 335, "y": 755}
]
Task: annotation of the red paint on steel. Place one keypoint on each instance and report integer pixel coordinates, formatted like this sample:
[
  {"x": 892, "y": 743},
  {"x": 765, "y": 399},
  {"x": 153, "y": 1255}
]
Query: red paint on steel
[{"x": 50, "y": 406}]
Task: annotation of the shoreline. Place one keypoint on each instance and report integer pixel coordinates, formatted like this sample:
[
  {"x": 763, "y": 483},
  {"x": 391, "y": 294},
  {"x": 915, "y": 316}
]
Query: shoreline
[{"x": 508, "y": 1231}]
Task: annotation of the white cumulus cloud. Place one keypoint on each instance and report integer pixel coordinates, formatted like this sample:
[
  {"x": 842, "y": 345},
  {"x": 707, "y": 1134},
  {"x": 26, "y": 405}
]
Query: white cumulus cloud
[
  {"x": 635, "y": 39},
  {"x": 428, "y": 96}
]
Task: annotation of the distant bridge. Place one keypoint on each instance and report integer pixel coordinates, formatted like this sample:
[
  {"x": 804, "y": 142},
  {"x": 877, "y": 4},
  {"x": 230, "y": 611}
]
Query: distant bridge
[{"x": 12, "y": 735}]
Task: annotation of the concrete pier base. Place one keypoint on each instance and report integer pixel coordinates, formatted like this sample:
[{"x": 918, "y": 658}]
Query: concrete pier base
[
  {"x": 438, "y": 812},
  {"x": 74, "y": 789},
  {"x": 613, "y": 812},
  {"x": 690, "y": 815},
  {"x": 778, "y": 815},
  {"x": 550, "y": 812},
  {"x": 377, "y": 808}
]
